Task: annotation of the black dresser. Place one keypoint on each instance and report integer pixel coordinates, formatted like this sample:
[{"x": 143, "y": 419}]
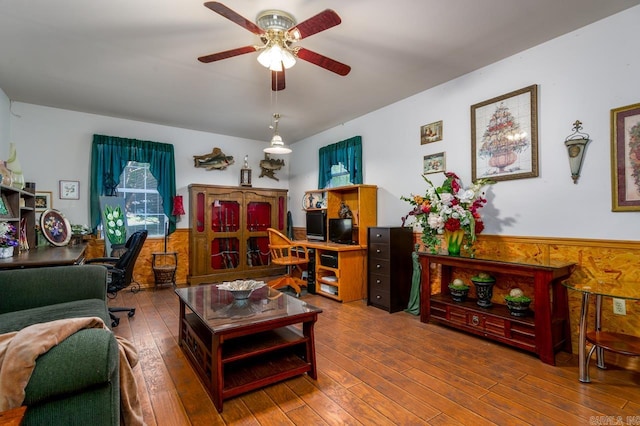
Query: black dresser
[{"x": 390, "y": 267}]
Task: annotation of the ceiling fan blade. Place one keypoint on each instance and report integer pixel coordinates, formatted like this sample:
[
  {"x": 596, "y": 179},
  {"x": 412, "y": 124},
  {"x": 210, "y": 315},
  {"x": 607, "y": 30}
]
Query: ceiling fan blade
[
  {"x": 323, "y": 62},
  {"x": 320, "y": 22},
  {"x": 277, "y": 80},
  {"x": 223, "y": 10},
  {"x": 226, "y": 54}
]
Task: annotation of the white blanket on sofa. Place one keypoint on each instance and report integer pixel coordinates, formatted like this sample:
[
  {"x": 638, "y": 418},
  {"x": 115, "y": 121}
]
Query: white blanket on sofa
[{"x": 19, "y": 350}]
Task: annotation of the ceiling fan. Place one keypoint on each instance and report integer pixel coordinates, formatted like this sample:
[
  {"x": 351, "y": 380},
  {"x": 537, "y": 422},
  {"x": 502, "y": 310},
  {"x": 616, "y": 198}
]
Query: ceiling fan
[{"x": 278, "y": 32}]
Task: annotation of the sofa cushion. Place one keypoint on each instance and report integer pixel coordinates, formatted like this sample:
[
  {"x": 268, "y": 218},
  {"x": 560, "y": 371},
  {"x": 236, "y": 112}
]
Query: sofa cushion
[
  {"x": 84, "y": 360},
  {"x": 17, "y": 320}
]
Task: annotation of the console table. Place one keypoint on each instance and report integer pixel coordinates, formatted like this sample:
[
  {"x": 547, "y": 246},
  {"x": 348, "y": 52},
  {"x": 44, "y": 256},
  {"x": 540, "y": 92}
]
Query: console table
[
  {"x": 602, "y": 340},
  {"x": 543, "y": 334}
]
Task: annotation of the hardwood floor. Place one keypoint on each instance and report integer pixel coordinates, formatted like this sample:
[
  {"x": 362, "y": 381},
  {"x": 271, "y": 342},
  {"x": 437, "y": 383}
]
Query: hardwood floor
[{"x": 377, "y": 368}]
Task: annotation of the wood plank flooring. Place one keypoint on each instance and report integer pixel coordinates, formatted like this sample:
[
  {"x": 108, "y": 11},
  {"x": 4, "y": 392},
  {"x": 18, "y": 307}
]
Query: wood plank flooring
[{"x": 376, "y": 368}]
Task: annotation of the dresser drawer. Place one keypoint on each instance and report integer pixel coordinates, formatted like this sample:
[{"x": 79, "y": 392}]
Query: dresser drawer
[
  {"x": 380, "y": 282},
  {"x": 379, "y": 235},
  {"x": 379, "y": 251},
  {"x": 379, "y": 298},
  {"x": 379, "y": 266}
]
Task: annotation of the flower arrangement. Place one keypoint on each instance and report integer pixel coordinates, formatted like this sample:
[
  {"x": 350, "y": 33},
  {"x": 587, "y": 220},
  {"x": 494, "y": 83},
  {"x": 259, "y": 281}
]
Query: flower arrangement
[
  {"x": 8, "y": 235},
  {"x": 449, "y": 208},
  {"x": 115, "y": 228}
]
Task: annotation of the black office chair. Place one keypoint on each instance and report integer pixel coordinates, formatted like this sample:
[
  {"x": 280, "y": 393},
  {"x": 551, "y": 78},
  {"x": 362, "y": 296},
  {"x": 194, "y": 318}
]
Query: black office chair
[{"x": 120, "y": 272}]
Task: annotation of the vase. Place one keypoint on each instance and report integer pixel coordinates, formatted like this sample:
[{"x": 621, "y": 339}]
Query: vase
[
  {"x": 6, "y": 252},
  {"x": 459, "y": 294},
  {"x": 453, "y": 241},
  {"x": 518, "y": 309},
  {"x": 484, "y": 293}
]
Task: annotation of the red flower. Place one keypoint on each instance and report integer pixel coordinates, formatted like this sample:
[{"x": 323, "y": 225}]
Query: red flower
[
  {"x": 452, "y": 224},
  {"x": 479, "y": 226}
]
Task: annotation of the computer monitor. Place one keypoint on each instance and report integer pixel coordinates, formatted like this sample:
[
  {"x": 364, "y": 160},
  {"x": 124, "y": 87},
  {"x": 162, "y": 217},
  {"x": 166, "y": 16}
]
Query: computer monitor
[
  {"x": 317, "y": 225},
  {"x": 341, "y": 231}
]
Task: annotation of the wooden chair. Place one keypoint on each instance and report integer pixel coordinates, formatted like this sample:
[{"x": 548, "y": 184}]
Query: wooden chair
[{"x": 286, "y": 253}]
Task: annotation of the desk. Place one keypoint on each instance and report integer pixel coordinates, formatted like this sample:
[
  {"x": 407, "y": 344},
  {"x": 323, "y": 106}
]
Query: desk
[
  {"x": 45, "y": 256},
  {"x": 340, "y": 269},
  {"x": 601, "y": 340}
]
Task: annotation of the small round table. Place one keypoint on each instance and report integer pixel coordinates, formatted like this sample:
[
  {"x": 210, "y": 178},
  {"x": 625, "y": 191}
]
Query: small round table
[{"x": 602, "y": 340}]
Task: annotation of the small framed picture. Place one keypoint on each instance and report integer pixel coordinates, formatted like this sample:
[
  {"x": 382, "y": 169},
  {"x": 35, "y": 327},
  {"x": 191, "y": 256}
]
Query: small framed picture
[
  {"x": 43, "y": 201},
  {"x": 69, "y": 190},
  {"x": 431, "y": 132},
  {"x": 5, "y": 209},
  {"x": 625, "y": 162},
  {"x": 434, "y": 163}
]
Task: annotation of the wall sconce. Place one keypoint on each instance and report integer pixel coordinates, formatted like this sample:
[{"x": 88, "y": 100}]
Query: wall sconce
[{"x": 576, "y": 144}]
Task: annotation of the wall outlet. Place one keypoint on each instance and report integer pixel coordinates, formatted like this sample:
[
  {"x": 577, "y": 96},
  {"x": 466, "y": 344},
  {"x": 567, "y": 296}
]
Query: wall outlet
[{"x": 619, "y": 306}]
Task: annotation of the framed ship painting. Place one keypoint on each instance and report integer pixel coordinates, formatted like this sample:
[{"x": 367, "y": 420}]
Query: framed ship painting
[{"x": 504, "y": 136}]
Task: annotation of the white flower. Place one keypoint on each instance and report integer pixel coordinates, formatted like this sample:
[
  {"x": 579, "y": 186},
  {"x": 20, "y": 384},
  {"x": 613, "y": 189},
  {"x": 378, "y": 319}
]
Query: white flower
[{"x": 466, "y": 196}]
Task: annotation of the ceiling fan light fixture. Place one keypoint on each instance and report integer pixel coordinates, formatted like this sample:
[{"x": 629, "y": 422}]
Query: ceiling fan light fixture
[
  {"x": 275, "y": 57},
  {"x": 275, "y": 20}
]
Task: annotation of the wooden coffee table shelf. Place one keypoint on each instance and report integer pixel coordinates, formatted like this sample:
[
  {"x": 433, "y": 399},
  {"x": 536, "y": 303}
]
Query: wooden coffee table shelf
[{"x": 238, "y": 354}]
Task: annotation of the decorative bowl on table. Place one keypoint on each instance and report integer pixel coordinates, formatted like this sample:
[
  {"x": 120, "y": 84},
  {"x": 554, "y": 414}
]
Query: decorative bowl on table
[{"x": 241, "y": 289}]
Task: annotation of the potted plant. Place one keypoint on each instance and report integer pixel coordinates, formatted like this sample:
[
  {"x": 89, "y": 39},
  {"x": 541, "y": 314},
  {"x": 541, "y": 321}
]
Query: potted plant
[
  {"x": 484, "y": 289},
  {"x": 518, "y": 303},
  {"x": 8, "y": 239},
  {"x": 458, "y": 290}
]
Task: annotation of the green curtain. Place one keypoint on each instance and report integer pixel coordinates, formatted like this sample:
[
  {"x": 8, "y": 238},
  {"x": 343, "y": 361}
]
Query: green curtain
[
  {"x": 347, "y": 152},
  {"x": 109, "y": 156}
]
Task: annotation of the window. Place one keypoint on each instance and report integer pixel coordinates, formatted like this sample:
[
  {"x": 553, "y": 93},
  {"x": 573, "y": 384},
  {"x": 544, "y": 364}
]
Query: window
[{"x": 143, "y": 203}]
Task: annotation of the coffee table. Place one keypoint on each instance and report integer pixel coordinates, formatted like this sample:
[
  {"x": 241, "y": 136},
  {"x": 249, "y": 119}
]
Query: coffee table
[{"x": 236, "y": 346}]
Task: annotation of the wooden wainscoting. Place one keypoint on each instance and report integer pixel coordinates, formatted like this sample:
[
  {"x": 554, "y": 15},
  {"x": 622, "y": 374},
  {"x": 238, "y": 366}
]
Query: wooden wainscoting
[{"x": 143, "y": 272}]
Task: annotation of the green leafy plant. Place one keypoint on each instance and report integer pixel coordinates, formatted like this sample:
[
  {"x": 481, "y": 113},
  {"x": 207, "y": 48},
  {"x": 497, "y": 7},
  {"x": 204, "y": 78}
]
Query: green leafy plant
[
  {"x": 483, "y": 277},
  {"x": 518, "y": 299}
]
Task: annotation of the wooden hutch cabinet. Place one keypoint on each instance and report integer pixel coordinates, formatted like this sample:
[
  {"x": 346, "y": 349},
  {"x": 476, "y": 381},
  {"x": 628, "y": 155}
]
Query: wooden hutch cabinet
[
  {"x": 228, "y": 237},
  {"x": 341, "y": 269}
]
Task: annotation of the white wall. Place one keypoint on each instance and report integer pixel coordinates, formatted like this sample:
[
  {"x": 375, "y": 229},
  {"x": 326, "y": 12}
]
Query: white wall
[
  {"x": 5, "y": 126},
  {"x": 581, "y": 75},
  {"x": 54, "y": 144}
]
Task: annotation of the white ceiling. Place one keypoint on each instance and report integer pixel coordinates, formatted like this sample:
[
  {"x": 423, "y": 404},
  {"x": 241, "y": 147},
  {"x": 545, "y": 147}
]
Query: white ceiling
[{"x": 136, "y": 59}]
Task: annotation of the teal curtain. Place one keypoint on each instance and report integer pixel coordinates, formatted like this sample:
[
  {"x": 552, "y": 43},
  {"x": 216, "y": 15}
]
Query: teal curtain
[
  {"x": 347, "y": 152},
  {"x": 109, "y": 156}
]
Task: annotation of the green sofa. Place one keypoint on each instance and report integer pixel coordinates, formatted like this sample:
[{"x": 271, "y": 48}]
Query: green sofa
[{"x": 75, "y": 382}]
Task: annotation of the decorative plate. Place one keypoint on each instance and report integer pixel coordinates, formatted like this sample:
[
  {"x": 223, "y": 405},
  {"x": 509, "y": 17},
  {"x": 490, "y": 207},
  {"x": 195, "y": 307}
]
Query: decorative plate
[{"x": 55, "y": 227}]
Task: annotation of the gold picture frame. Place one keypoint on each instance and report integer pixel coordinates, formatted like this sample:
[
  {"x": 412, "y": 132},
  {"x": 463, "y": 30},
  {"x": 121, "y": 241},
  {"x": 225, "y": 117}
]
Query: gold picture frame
[
  {"x": 504, "y": 136},
  {"x": 43, "y": 200},
  {"x": 434, "y": 163},
  {"x": 625, "y": 158},
  {"x": 431, "y": 132}
]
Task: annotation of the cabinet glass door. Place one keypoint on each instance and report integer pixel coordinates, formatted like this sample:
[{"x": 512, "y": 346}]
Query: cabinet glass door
[
  {"x": 225, "y": 225},
  {"x": 259, "y": 219}
]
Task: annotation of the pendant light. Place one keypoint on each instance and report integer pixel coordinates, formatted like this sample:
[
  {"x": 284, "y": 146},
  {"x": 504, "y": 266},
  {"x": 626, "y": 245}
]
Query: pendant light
[{"x": 276, "y": 145}]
